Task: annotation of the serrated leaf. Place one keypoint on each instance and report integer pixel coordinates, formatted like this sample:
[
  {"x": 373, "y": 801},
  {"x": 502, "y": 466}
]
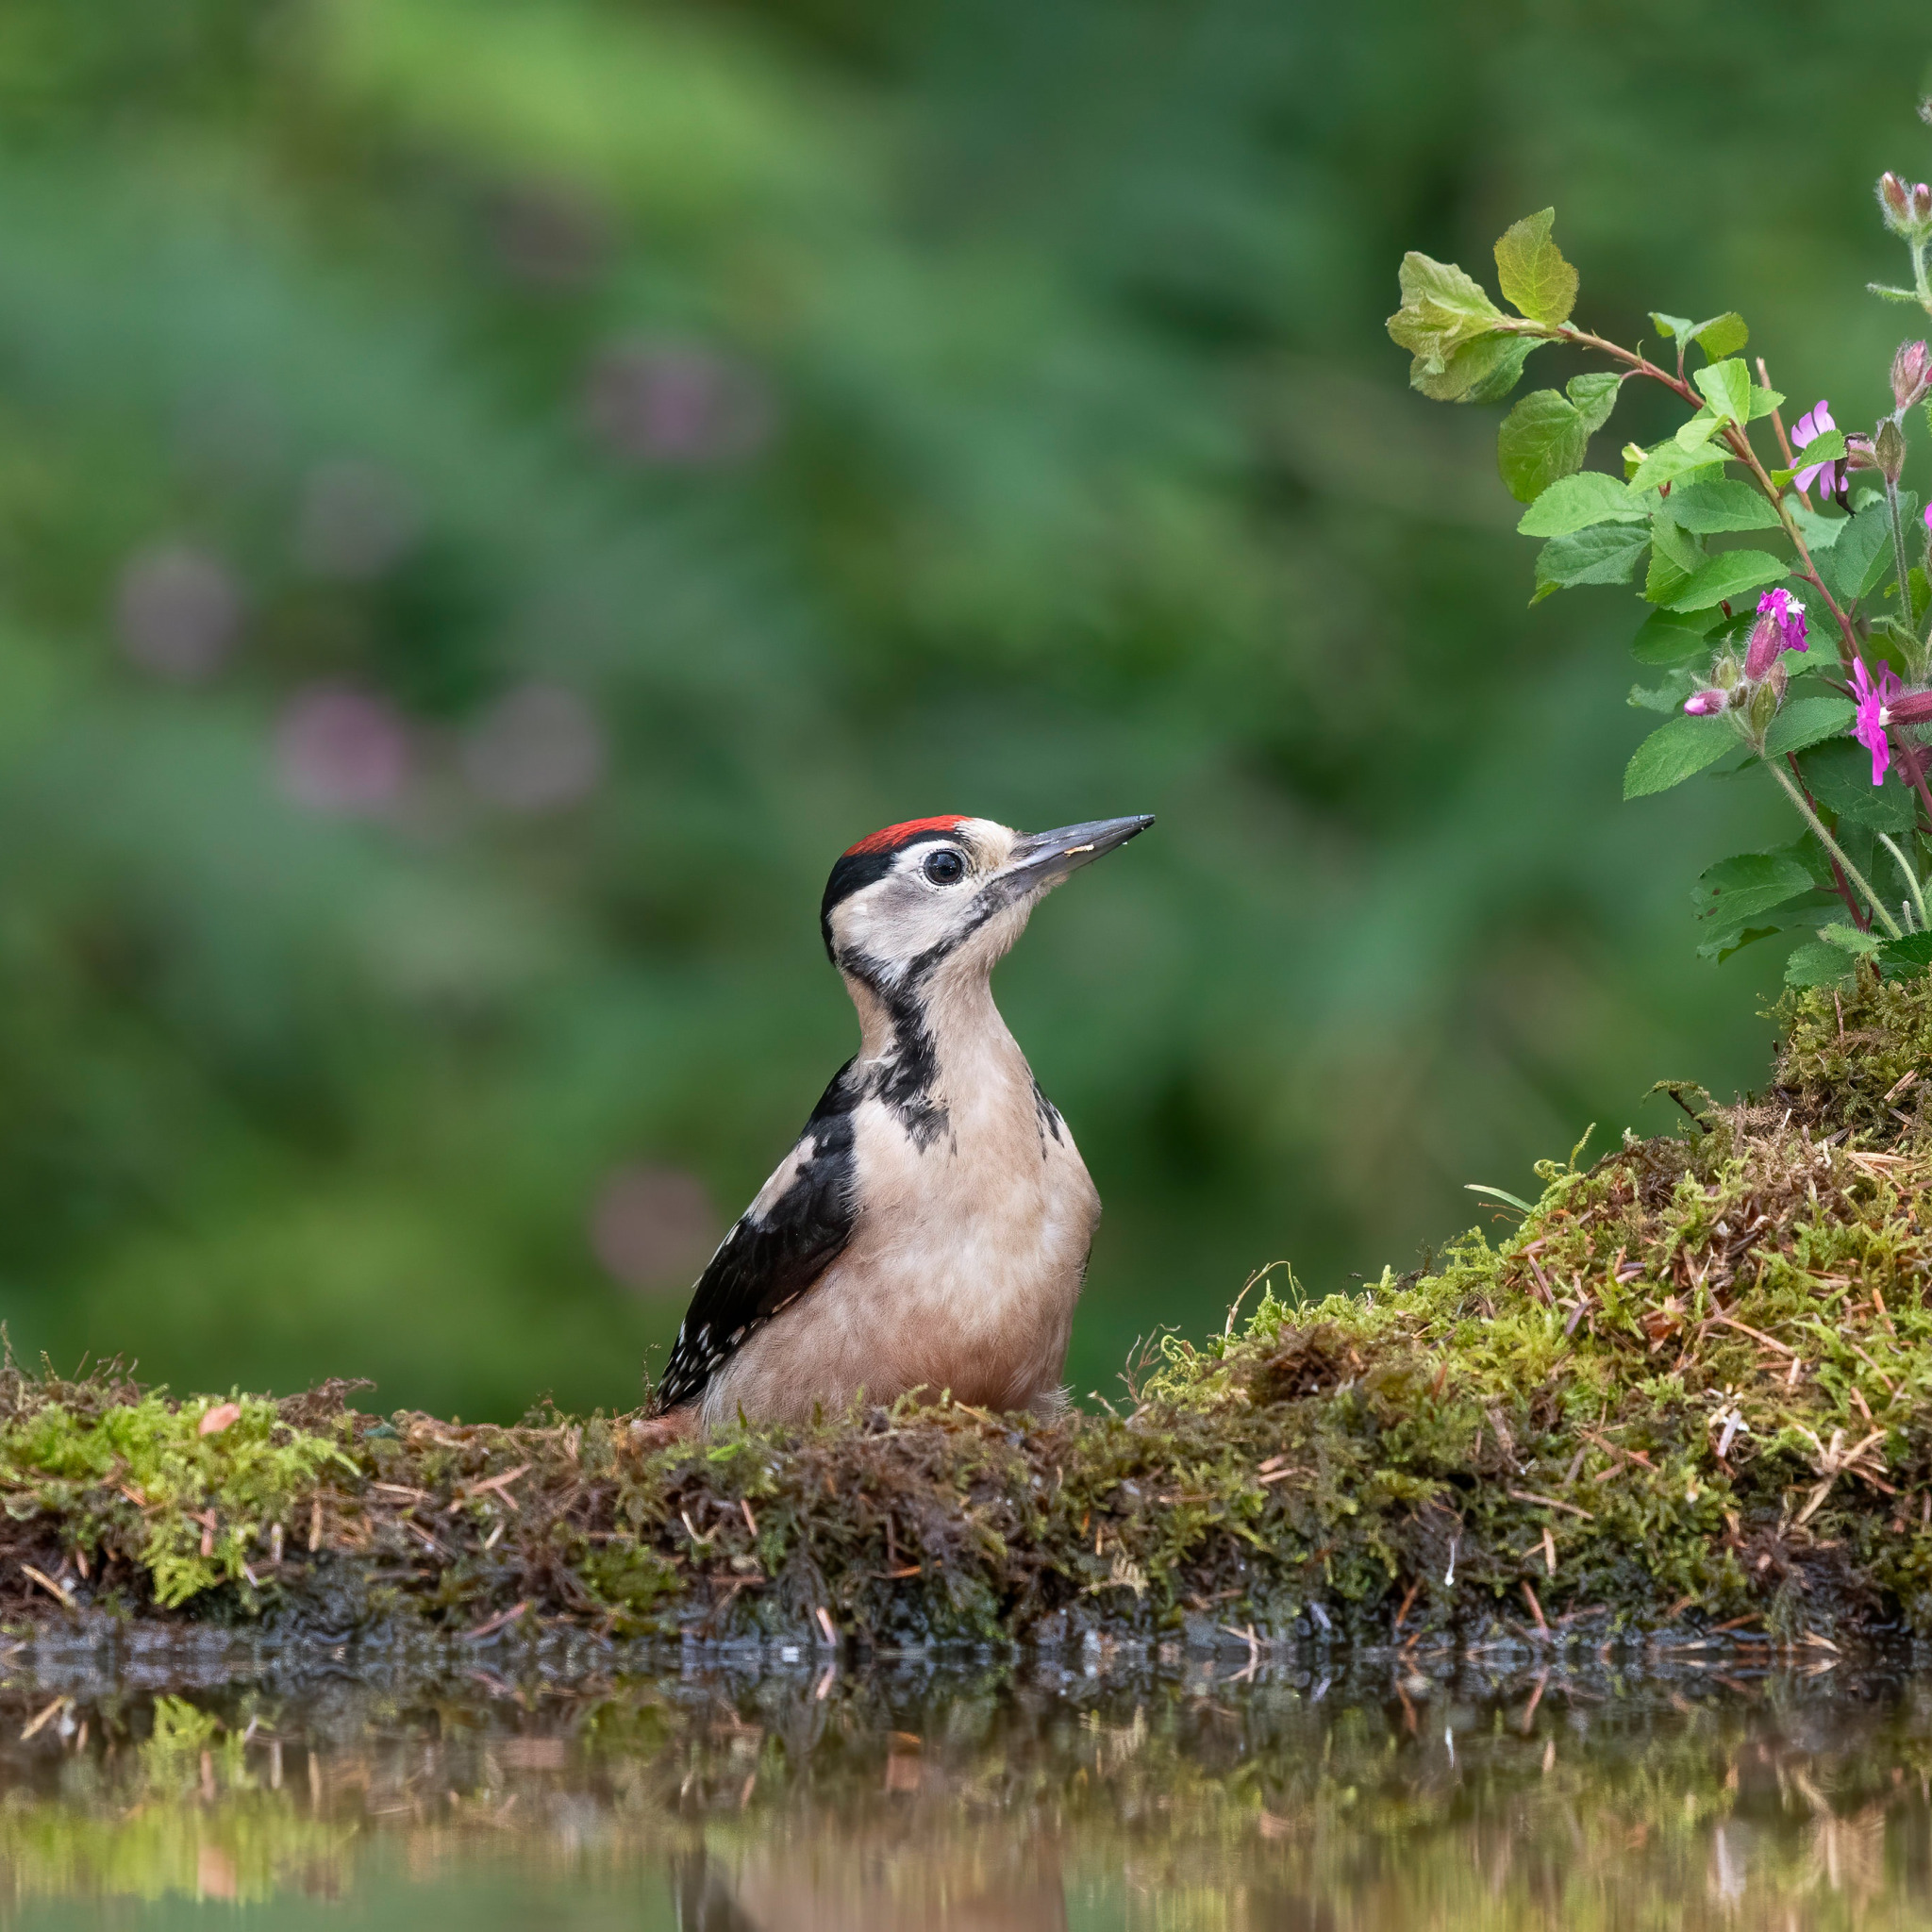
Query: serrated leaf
[
  {"x": 1532, "y": 271},
  {"x": 1675, "y": 558},
  {"x": 1837, "y": 774},
  {"x": 1482, "y": 371},
  {"x": 1858, "y": 561},
  {"x": 1722, "y": 335},
  {"x": 1819, "y": 531},
  {"x": 1817, "y": 964},
  {"x": 1723, "y": 502},
  {"x": 1595, "y": 397},
  {"x": 1809, "y": 910},
  {"x": 1574, "y": 503},
  {"x": 1750, "y": 884},
  {"x": 1542, "y": 438},
  {"x": 1667, "y": 696},
  {"x": 1907, "y": 957},
  {"x": 1764, "y": 400},
  {"x": 1677, "y": 751},
  {"x": 1663, "y": 639},
  {"x": 1604, "y": 553},
  {"x": 1806, "y": 722},
  {"x": 1679, "y": 327},
  {"x": 1667, "y": 462},
  {"x": 1441, "y": 310},
  {"x": 1730, "y": 574},
  {"x": 1727, "y": 386},
  {"x": 1694, "y": 434}
]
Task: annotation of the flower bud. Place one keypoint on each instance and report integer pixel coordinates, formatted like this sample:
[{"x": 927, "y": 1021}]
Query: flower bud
[
  {"x": 1859, "y": 455},
  {"x": 1888, "y": 447},
  {"x": 1922, "y": 203},
  {"x": 1764, "y": 703},
  {"x": 1761, "y": 653},
  {"x": 1894, "y": 201},
  {"x": 1706, "y": 704},
  {"x": 1724, "y": 672},
  {"x": 1909, "y": 708},
  {"x": 1911, "y": 372}
]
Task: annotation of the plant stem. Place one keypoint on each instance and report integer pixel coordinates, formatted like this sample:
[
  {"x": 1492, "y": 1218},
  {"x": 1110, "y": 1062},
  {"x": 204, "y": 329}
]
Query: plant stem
[
  {"x": 1832, "y": 846},
  {"x": 1911, "y": 877},
  {"x": 1740, "y": 444},
  {"x": 1840, "y": 885},
  {"x": 1903, "y": 567}
]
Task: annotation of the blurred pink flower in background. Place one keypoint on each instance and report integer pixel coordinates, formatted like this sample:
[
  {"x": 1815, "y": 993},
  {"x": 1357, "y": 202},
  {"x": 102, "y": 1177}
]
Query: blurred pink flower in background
[
  {"x": 537, "y": 749},
  {"x": 355, "y": 521},
  {"x": 670, "y": 402},
  {"x": 342, "y": 750},
  {"x": 654, "y": 1227},
  {"x": 1812, "y": 425},
  {"x": 178, "y": 612}
]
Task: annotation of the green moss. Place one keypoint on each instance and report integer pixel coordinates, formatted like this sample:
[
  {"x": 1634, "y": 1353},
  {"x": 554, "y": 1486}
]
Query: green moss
[{"x": 1695, "y": 1376}]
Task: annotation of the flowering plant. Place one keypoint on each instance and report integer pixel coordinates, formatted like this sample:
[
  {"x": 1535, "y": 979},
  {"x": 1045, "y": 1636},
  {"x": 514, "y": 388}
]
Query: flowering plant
[{"x": 1801, "y": 648}]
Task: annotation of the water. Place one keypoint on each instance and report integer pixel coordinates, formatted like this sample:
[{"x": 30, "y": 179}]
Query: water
[{"x": 1710, "y": 1790}]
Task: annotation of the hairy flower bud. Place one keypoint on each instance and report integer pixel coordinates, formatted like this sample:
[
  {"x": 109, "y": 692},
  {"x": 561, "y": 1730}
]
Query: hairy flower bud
[
  {"x": 1894, "y": 201},
  {"x": 1911, "y": 373},
  {"x": 1922, "y": 203},
  {"x": 1888, "y": 447},
  {"x": 1859, "y": 454},
  {"x": 1908, "y": 708},
  {"x": 1764, "y": 702},
  {"x": 1706, "y": 704},
  {"x": 1726, "y": 674}
]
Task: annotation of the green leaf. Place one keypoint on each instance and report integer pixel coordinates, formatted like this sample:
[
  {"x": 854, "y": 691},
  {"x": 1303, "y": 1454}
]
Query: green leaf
[
  {"x": 1604, "y": 554},
  {"x": 1806, "y": 722},
  {"x": 1837, "y": 774},
  {"x": 1663, "y": 639},
  {"x": 1819, "y": 530},
  {"x": 1808, "y": 909},
  {"x": 1443, "y": 308},
  {"x": 1694, "y": 434},
  {"x": 1754, "y": 882},
  {"x": 1679, "y": 327},
  {"x": 1574, "y": 503},
  {"x": 1483, "y": 371},
  {"x": 1904, "y": 959},
  {"x": 1727, "y": 386},
  {"x": 1668, "y": 696},
  {"x": 1722, "y": 335},
  {"x": 1729, "y": 576},
  {"x": 1764, "y": 400},
  {"x": 1595, "y": 397},
  {"x": 1533, "y": 272},
  {"x": 1848, "y": 939},
  {"x": 1817, "y": 964},
  {"x": 1542, "y": 438},
  {"x": 1675, "y": 558},
  {"x": 1858, "y": 561},
  {"x": 1677, "y": 751},
  {"x": 1723, "y": 502},
  {"x": 1667, "y": 462}
]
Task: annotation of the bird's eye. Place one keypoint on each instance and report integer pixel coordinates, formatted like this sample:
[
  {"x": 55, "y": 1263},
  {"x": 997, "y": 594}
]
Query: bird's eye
[{"x": 944, "y": 867}]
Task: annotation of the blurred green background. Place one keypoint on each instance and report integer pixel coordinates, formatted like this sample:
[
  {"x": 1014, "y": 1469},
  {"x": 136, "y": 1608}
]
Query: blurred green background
[{"x": 495, "y": 494}]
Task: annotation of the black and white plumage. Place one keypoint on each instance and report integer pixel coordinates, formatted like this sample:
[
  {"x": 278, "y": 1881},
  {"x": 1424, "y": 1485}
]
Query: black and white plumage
[{"x": 930, "y": 1228}]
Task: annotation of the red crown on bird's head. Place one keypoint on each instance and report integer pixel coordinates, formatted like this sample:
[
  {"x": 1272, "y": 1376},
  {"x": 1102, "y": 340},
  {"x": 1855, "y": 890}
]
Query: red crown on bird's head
[{"x": 892, "y": 837}]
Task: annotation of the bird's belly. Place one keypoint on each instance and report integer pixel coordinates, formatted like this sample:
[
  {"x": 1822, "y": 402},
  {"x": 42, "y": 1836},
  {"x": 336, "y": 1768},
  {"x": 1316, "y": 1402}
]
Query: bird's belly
[{"x": 963, "y": 1274}]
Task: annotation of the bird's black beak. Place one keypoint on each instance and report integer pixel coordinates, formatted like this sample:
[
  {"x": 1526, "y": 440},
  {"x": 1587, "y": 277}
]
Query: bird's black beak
[{"x": 1044, "y": 858}]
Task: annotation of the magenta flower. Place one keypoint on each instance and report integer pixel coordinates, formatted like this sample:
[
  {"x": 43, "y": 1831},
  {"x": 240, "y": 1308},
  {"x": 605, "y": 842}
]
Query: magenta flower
[
  {"x": 1706, "y": 704},
  {"x": 1780, "y": 626},
  {"x": 1874, "y": 696},
  {"x": 1812, "y": 425}
]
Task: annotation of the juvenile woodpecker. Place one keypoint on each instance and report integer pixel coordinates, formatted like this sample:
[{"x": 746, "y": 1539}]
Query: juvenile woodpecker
[{"x": 930, "y": 1228}]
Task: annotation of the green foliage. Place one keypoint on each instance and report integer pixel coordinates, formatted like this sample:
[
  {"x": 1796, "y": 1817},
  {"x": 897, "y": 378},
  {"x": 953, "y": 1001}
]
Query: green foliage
[
  {"x": 1577, "y": 502},
  {"x": 1677, "y": 751},
  {"x": 1546, "y": 435},
  {"x": 1531, "y": 269}
]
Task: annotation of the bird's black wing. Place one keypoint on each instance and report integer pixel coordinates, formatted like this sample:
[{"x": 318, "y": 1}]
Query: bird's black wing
[{"x": 768, "y": 1261}]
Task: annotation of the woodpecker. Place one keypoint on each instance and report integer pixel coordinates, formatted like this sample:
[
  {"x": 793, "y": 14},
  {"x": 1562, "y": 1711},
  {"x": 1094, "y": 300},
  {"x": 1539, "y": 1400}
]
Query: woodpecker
[{"x": 930, "y": 1230}]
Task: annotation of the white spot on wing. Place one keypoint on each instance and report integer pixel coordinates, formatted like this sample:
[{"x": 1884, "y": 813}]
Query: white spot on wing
[{"x": 783, "y": 1176}]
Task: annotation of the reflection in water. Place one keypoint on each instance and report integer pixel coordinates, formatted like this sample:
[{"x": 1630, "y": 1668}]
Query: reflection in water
[{"x": 1029, "y": 1801}]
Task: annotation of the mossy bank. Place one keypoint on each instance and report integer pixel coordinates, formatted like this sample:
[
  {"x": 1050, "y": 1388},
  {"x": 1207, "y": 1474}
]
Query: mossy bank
[{"x": 1692, "y": 1382}]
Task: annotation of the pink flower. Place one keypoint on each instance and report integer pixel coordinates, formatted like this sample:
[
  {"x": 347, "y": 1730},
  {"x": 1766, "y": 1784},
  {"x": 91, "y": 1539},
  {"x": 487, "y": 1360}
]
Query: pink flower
[
  {"x": 1812, "y": 425},
  {"x": 1706, "y": 704},
  {"x": 1780, "y": 626},
  {"x": 1874, "y": 696}
]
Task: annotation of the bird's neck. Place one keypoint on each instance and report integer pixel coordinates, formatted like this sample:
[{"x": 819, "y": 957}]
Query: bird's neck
[{"x": 933, "y": 1042}]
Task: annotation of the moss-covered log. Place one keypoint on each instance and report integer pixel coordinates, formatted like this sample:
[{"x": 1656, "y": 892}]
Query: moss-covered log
[{"x": 1693, "y": 1381}]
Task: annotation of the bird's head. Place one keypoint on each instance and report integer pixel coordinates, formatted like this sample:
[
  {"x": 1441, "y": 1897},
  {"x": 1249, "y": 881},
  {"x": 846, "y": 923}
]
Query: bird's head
[{"x": 948, "y": 893}]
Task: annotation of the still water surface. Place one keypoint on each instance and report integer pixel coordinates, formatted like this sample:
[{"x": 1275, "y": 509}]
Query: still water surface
[{"x": 1030, "y": 1798}]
